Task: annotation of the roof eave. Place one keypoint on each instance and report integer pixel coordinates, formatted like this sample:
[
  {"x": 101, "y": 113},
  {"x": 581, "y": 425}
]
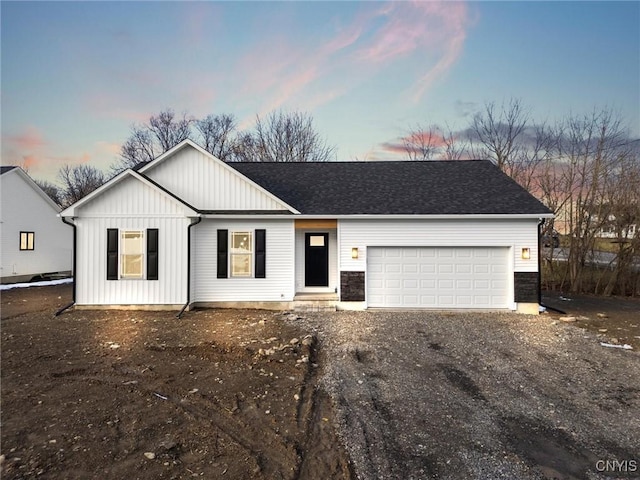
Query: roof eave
[{"x": 466, "y": 216}]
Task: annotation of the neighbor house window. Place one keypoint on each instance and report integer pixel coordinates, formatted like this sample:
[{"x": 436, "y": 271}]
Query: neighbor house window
[
  {"x": 26, "y": 240},
  {"x": 241, "y": 253},
  {"x": 132, "y": 254}
]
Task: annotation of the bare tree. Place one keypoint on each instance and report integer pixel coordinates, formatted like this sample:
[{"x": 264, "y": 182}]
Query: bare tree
[
  {"x": 79, "y": 181},
  {"x": 623, "y": 219},
  {"x": 148, "y": 140},
  {"x": 138, "y": 148},
  {"x": 284, "y": 137},
  {"x": 217, "y": 135},
  {"x": 498, "y": 130},
  {"x": 589, "y": 151},
  {"x": 169, "y": 130},
  {"x": 455, "y": 144},
  {"x": 52, "y": 190},
  {"x": 422, "y": 143}
]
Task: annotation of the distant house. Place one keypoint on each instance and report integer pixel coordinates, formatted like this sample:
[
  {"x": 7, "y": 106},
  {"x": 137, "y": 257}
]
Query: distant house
[
  {"x": 614, "y": 229},
  {"x": 188, "y": 229},
  {"x": 35, "y": 243}
]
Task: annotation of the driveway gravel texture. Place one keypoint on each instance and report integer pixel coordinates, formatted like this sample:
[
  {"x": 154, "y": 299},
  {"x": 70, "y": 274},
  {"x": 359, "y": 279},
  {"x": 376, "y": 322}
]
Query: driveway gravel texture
[{"x": 479, "y": 396}]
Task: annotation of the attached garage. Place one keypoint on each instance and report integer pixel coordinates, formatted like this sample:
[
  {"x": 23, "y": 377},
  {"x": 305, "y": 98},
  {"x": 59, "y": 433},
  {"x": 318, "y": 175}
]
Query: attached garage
[{"x": 438, "y": 277}]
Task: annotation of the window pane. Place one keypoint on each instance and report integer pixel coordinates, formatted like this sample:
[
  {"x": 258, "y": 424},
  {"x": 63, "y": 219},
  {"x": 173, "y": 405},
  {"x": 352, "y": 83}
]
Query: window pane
[
  {"x": 132, "y": 242},
  {"x": 26, "y": 240},
  {"x": 241, "y": 242},
  {"x": 132, "y": 254},
  {"x": 131, "y": 265},
  {"x": 241, "y": 265},
  {"x": 316, "y": 241}
]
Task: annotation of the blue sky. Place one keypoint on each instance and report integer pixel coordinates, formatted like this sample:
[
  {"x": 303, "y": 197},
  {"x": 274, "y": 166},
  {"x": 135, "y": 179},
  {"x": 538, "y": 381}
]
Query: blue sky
[{"x": 76, "y": 75}]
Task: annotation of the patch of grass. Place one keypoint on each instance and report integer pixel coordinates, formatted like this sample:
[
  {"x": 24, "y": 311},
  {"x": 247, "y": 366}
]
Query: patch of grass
[{"x": 594, "y": 279}]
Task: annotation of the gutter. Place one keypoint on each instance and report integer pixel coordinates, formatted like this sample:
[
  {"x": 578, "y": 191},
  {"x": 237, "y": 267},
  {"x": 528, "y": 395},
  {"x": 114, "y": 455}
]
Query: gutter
[
  {"x": 73, "y": 268},
  {"x": 186, "y": 305}
]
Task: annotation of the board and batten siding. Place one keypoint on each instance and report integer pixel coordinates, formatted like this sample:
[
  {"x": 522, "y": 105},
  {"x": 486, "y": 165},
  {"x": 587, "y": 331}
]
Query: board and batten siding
[
  {"x": 132, "y": 197},
  {"x": 131, "y": 205},
  {"x": 209, "y": 184},
  {"x": 515, "y": 233},
  {"x": 278, "y": 286},
  {"x": 92, "y": 286}
]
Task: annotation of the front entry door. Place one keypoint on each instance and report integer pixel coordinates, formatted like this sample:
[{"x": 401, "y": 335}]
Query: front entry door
[{"x": 316, "y": 259}]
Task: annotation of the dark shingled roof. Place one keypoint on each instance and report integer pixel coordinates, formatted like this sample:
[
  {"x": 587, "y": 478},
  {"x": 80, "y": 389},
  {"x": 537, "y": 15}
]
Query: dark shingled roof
[
  {"x": 395, "y": 187},
  {"x": 4, "y": 169}
]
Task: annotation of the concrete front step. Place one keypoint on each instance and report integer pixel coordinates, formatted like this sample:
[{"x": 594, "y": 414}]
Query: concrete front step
[{"x": 314, "y": 305}]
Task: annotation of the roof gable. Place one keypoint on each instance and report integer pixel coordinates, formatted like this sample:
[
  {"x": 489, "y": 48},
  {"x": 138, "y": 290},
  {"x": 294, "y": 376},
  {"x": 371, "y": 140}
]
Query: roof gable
[
  {"x": 209, "y": 184},
  {"x": 9, "y": 172},
  {"x": 130, "y": 193},
  {"x": 460, "y": 187}
]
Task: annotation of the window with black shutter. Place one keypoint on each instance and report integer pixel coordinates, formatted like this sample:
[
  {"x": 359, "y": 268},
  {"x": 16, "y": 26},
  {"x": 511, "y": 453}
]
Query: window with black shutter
[
  {"x": 112, "y": 254},
  {"x": 152, "y": 254},
  {"x": 260, "y": 260}
]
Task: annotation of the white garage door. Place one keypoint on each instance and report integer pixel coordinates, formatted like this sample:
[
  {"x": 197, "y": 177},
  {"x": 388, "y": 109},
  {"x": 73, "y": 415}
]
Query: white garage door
[{"x": 437, "y": 277}]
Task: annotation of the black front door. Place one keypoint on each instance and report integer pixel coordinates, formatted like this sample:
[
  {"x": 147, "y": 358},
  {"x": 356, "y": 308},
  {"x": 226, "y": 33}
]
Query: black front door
[{"x": 316, "y": 259}]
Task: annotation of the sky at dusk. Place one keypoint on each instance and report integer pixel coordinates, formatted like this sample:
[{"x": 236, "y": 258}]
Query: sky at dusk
[{"x": 76, "y": 75}]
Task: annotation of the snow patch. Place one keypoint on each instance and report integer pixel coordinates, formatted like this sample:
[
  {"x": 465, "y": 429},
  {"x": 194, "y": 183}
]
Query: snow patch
[{"x": 47, "y": 283}]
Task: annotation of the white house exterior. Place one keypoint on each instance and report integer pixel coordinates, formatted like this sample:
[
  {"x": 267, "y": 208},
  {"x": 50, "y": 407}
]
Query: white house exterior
[
  {"x": 187, "y": 230},
  {"x": 34, "y": 241}
]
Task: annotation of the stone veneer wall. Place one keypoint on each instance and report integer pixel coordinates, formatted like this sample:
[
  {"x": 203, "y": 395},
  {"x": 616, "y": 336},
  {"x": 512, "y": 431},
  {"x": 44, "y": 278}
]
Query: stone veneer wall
[
  {"x": 352, "y": 286},
  {"x": 525, "y": 287}
]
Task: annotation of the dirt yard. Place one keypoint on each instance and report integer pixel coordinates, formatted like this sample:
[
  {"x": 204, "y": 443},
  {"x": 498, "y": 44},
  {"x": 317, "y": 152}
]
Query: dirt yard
[
  {"x": 344, "y": 395},
  {"x": 129, "y": 394}
]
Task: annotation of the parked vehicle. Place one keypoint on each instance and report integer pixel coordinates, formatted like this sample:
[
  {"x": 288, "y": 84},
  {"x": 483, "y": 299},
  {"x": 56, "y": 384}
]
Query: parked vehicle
[{"x": 551, "y": 240}]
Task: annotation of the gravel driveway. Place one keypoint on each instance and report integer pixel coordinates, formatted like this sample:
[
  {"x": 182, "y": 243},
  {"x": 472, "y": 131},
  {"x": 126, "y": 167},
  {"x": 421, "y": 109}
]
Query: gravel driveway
[{"x": 484, "y": 396}]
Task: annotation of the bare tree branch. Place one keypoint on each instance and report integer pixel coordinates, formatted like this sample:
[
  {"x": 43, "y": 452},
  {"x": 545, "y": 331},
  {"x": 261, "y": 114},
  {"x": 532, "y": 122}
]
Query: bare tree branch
[{"x": 79, "y": 181}]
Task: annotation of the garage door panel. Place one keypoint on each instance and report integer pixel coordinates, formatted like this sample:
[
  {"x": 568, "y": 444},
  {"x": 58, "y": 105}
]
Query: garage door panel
[
  {"x": 410, "y": 268},
  {"x": 445, "y": 268},
  {"x": 437, "y": 277},
  {"x": 410, "y": 283},
  {"x": 427, "y": 268}
]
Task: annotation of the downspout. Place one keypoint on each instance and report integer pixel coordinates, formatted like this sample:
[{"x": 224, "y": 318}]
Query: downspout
[
  {"x": 186, "y": 305},
  {"x": 540, "y": 270},
  {"x": 73, "y": 269}
]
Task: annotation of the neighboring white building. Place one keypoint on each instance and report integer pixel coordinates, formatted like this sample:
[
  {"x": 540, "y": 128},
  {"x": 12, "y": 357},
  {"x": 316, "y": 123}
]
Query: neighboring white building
[
  {"x": 34, "y": 241},
  {"x": 611, "y": 231},
  {"x": 188, "y": 229}
]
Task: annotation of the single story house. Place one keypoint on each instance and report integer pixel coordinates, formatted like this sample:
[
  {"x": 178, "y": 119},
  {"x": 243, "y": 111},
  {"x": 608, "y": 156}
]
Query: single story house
[
  {"x": 33, "y": 241},
  {"x": 187, "y": 229}
]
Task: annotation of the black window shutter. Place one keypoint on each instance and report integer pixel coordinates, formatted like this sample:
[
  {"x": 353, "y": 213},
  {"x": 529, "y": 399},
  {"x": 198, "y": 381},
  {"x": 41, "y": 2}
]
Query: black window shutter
[
  {"x": 223, "y": 253},
  {"x": 261, "y": 253},
  {"x": 112, "y": 254},
  {"x": 152, "y": 254}
]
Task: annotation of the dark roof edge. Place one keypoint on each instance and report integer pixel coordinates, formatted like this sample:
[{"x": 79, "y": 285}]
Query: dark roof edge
[{"x": 168, "y": 192}]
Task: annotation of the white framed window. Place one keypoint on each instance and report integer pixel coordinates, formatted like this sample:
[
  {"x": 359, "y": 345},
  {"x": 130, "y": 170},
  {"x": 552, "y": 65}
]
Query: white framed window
[
  {"x": 27, "y": 241},
  {"x": 132, "y": 254},
  {"x": 241, "y": 254}
]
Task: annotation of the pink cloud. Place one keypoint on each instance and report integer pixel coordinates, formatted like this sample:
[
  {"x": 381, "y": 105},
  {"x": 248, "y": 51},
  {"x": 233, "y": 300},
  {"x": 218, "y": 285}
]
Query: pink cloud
[
  {"x": 411, "y": 144},
  {"x": 29, "y": 139},
  {"x": 288, "y": 72}
]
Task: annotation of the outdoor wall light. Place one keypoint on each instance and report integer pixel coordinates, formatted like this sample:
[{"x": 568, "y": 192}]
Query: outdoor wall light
[
  {"x": 526, "y": 253},
  {"x": 354, "y": 252}
]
